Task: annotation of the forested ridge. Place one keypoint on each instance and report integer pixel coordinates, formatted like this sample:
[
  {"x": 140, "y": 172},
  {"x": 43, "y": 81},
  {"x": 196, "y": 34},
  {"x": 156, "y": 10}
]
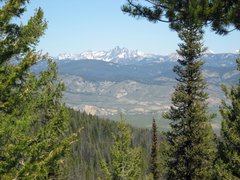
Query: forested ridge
[{"x": 94, "y": 143}]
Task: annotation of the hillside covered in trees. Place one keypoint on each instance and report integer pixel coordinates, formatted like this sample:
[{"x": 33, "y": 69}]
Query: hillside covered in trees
[{"x": 95, "y": 142}]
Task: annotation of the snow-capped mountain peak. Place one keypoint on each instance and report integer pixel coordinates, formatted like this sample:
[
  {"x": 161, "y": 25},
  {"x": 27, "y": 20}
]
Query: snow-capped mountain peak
[
  {"x": 209, "y": 52},
  {"x": 116, "y": 53},
  {"x": 124, "y": 56},
  {"x": 67, "y": 56},
  {"x": 235, "y": 52}
]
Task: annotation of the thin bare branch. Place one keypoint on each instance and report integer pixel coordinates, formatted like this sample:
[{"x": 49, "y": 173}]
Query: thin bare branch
[
  {"x": 232, "y": 30},
  {"x": 156, "y": 4}
]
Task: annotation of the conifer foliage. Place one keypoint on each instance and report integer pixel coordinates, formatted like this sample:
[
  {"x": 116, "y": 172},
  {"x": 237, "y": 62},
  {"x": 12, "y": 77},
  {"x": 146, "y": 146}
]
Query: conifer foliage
[
  {"x": 225, "y": 17},
  {"x": 33, "y": 119},
  {"x": 229, "y": 144},
  {"x": 95, "y": 143},
  {"x": 191, "y": 147},
  {"x": 191, "y": 150},
  {"x": 125, "y": 160},
  {"x": 153, "y": 164}
]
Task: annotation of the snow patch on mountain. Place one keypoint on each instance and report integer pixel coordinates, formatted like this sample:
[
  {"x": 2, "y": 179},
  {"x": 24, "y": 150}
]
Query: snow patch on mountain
[
  {"x": 125, "y": 57},
  {"x": 235, "y": 52},
  {"x": 209, "y": 52},
  {"x": 67, "y": 56},
  {"x": 105, "y": 55}
]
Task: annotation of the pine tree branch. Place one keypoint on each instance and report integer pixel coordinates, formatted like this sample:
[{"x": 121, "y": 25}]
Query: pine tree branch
[{"x": 146, "y": 15}]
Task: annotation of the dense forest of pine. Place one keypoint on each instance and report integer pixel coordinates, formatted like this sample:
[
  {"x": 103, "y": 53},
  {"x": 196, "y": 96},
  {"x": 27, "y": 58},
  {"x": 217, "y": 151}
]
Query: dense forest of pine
[{"x": 94, "y": 143}]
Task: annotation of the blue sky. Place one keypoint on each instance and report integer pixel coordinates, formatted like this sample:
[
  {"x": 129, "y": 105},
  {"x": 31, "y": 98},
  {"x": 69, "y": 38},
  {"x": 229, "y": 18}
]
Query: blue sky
[{"x": 75, "y": 26}]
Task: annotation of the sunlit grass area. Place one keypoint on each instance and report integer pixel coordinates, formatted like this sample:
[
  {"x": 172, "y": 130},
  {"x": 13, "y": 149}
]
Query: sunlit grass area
[{"x": 145, "y": 121}]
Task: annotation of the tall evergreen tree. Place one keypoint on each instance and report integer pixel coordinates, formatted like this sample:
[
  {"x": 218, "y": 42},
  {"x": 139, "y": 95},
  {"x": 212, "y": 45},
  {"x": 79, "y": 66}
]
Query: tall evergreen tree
[
  {"x": 33, "y": 119},
  {"x": 191, "y": 149},
  {"x": 153, "y": 164},
  {"x": 125, "y": 161}
]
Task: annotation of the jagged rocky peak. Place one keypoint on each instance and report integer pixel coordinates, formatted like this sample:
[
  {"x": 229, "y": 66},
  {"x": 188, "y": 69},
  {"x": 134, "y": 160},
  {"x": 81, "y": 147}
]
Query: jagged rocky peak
[
  {"x": 125, "y": 56},
  {"x": 116, "y": 53},
  {"x": 117, "y": 48}
]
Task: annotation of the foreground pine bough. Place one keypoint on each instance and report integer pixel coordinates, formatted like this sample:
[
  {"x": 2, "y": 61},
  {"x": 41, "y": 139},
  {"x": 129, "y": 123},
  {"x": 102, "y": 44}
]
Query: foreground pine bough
[{"x": 33, "y": 119}]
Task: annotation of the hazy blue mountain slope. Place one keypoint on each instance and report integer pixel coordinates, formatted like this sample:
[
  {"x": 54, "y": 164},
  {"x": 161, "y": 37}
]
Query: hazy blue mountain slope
[
  {"x": 142, "y": 73},
  {"x": 130, "y": 96},
  {"x": 104, "y": 69}
]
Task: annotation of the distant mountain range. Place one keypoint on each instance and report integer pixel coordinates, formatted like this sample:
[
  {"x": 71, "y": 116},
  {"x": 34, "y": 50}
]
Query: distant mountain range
[
  {"x": 133, "y": 82},
  {"x": 111, "y": 89},
  {"x": 126, "y": 57},
  {"x": 116, "y": 53}
]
